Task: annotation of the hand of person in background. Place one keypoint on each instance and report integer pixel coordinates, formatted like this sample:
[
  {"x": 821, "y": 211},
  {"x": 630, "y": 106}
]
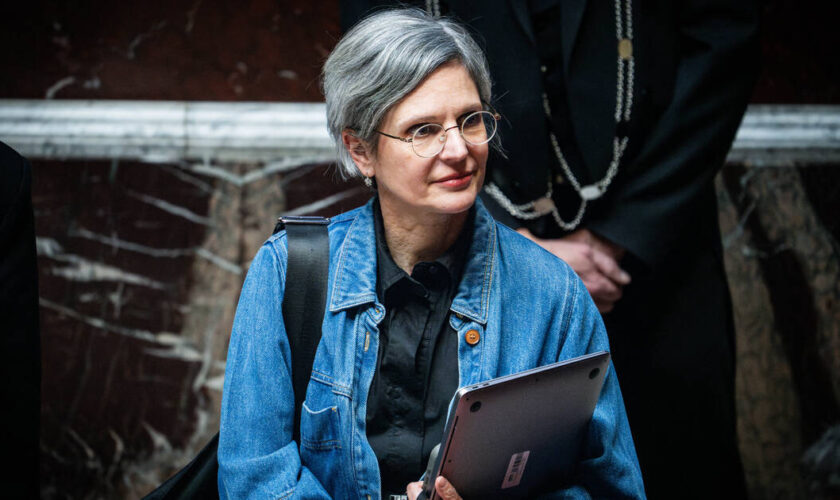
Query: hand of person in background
[
  {"x": 594, "y": 259},
  {"x": 444, "y": 489}
]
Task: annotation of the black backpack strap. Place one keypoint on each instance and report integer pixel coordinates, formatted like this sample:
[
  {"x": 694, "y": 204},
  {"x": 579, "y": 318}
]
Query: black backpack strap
[
  {"x": 305, "y": 297},
  {"x": 303, "y": 312}
]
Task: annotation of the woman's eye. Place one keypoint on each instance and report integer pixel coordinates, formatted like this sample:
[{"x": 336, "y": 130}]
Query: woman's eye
[
  {"x": 472, "y": 120},
  {"x": 421, "y": 131}
]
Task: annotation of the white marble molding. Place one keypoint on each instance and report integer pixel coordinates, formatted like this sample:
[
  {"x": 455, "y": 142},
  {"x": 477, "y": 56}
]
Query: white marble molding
[
  {"x": 166, "y": 131},
  {"x": 295, "y": 133}
]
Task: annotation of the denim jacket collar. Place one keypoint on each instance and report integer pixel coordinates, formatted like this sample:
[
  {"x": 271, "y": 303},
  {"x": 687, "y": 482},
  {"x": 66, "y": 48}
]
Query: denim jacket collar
[{"x": 355, "y": 275}]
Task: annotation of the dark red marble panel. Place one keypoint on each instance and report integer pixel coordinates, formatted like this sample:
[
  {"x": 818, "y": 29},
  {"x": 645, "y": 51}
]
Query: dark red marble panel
[
  {"x": 310, "y": 188},
  {"x": 800, "y": 61},
  {"x": 782, "y": 260},
  {"x": 116, "y": 246},
  {"x": 260, "y": 50},
  {"x": 140, "y": 268},
  {"x": 103, "y": 398},
  {"x": 272, "y": 51}
]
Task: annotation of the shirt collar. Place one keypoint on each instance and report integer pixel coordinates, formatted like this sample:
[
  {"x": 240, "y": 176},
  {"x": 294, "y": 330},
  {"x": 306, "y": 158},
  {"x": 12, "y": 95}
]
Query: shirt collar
[{"x": 355, "y": 275}]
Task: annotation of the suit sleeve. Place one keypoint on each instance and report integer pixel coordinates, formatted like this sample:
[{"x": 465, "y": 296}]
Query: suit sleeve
[
  {"x": 662, "y": 191},
  {"x": 257, "y": 457}
]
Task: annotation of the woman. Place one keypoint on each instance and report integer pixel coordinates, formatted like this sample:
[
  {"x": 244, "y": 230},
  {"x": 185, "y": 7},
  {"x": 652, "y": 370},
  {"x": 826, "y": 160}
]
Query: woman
[{"x": 426, "y": 292}]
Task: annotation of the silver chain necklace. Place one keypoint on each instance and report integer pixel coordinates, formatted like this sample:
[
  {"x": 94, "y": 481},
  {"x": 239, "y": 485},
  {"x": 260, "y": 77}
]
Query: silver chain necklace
[
  {"x": 433, "y": 7},
  {"x": 623, "y": 105}
]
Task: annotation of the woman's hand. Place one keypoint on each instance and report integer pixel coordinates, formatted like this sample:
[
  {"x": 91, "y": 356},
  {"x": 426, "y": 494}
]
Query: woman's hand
[
  {"x": 594, "y": 259},
  {"x": 444, "y": 489}
]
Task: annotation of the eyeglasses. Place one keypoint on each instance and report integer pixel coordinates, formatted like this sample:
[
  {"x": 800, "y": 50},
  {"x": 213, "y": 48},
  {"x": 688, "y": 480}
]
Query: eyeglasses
[{"x": 428, "y": 140}]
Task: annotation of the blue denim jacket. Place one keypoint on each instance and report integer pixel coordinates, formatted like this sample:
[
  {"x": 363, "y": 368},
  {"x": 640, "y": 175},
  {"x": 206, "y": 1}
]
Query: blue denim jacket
[{"x": 528, "y": 306}]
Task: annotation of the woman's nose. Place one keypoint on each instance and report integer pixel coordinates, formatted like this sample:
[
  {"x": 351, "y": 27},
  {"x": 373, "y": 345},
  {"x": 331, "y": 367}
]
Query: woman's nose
[{"x": 454, "y": 146}]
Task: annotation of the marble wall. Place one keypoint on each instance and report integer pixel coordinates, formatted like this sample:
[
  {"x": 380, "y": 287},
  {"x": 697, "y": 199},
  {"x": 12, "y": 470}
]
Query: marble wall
[
  {"x": 141, "y": 267},
  {"x": 141, "y": 263},
  {"x": 262, "y": 50},
  {"x": 783, "y": 261}
]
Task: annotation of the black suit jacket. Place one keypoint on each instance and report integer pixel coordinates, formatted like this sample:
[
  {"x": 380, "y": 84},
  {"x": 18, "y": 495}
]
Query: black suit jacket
[
  {"x": 20, "y": 360},
  {"x": 695, "y": 65}
]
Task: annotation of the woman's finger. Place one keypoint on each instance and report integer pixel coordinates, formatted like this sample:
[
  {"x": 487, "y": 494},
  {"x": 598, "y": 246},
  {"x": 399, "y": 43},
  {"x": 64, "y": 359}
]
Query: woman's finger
[
  {"x": 445, "y": 489},
  {"x": 602, "y": 288},
  {"x": 413, "y": 489},
  {"x": 610, "y": 268}
]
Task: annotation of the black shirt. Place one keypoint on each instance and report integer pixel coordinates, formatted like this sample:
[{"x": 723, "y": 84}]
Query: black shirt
[{"x": 417, "y": 363}]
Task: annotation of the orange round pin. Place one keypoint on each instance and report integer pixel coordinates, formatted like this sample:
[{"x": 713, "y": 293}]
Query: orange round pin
[{"x": 472, "y": 337}]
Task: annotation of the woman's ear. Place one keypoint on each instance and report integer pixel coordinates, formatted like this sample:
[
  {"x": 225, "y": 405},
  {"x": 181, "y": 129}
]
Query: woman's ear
[{"x": 359, "y": 151}]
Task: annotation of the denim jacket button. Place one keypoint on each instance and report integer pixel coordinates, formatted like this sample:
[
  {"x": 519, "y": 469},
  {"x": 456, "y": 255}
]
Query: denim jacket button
[{"x": 472, "y": 337}]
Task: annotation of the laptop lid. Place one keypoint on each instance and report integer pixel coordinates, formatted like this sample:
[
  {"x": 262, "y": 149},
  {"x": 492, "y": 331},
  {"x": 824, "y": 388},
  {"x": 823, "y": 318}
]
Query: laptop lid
[{"x": 520, "y": 434}]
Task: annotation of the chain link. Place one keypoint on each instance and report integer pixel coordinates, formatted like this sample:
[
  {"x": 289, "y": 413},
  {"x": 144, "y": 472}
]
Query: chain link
[
  {"x": 433, "y": 7},
  {"x": 623, "y": 105},
  {"x": 625, "y": 77}
]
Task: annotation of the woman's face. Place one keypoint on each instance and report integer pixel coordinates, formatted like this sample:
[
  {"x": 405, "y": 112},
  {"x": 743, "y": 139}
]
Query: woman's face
[{"x": 447, "y": 183}]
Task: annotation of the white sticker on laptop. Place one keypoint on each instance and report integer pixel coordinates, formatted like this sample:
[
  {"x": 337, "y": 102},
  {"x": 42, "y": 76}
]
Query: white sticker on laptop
[{"x": 515, "y": 469}]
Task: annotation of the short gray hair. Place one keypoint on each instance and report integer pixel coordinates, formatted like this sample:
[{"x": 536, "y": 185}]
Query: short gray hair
[{"x": 381, "y": 60}]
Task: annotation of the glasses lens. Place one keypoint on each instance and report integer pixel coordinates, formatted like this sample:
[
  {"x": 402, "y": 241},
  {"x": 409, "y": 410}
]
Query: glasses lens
[
  {"x": 479, "y": 127},
  {"x": 427, "y": 140}
]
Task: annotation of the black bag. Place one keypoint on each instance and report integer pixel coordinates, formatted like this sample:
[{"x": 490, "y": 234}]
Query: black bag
[{"x": 304, "y": 301}]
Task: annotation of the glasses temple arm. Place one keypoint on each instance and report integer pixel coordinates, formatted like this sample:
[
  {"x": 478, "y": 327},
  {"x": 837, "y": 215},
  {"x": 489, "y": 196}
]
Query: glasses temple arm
[{"x": 404, "y": 139}]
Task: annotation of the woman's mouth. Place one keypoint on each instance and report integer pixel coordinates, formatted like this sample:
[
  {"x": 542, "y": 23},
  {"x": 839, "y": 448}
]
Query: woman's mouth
[{"x": 456, "y": 180}]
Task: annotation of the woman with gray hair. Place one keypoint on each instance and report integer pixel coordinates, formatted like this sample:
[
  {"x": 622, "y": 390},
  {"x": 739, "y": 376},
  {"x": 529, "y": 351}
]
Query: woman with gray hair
[{"x": 426, "y": 292}]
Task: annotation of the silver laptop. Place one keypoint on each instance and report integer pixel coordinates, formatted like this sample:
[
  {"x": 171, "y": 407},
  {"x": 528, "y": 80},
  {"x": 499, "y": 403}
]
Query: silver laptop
[{"x": 519, "y": 435}]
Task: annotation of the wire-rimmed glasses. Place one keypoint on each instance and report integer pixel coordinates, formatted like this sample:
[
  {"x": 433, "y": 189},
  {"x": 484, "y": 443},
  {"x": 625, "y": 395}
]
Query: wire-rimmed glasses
[{"x": 428, "y": 140}]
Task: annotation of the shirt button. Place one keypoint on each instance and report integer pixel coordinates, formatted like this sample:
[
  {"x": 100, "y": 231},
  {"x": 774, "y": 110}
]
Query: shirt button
[{"x": 472, "y": 337}]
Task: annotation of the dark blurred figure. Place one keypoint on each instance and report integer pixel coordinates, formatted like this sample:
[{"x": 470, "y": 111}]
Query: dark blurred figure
[
  {"x": 20, "y": 359},
  {"x": 616, "y": 116},
  {"x": 821, "y": 466}
]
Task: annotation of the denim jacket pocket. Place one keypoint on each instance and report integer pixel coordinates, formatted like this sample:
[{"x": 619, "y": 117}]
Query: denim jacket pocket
[{"x": 319, "y": 429}]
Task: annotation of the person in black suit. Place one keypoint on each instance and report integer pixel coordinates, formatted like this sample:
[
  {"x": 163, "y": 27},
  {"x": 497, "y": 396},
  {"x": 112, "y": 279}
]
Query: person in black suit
[
  {"x": 21, "y": 354},
  {"x": 616, "y": 117}
]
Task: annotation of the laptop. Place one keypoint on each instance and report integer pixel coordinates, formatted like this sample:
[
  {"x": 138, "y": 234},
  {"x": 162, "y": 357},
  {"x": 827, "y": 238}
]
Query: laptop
[{"x": 519, "y": 435}]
